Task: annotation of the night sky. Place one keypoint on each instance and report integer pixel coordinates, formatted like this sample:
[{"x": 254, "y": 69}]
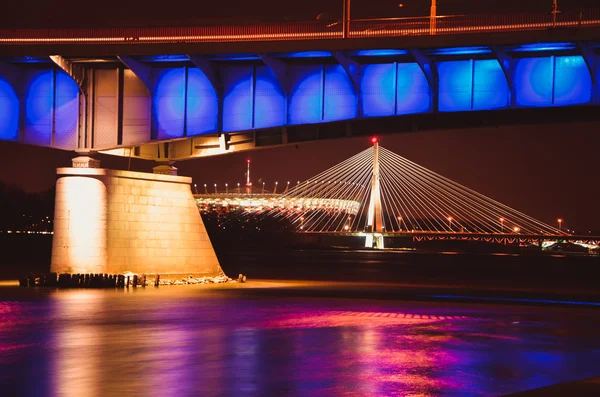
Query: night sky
[
  {"x": 61, "y": 13},
  {"x": 546, "y": 172}
]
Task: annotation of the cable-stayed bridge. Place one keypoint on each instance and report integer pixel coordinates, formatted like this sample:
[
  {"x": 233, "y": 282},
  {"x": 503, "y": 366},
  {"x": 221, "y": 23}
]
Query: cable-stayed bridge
[{"x": 378, "y": 193}]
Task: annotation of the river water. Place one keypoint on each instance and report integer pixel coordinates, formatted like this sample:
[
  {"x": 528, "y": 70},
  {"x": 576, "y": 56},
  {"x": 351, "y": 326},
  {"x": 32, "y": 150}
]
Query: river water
[
  {"x": 233, "y": 340},
  {"x": 273, "y": 339}
]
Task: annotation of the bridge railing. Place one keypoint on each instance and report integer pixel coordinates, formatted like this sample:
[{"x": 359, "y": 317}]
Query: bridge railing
[
  {"x": 311, "y": 30},
  {"x": 473, "y": 23}
]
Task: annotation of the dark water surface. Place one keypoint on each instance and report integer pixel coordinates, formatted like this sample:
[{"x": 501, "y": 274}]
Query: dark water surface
[{"x": 230, "y": 341}]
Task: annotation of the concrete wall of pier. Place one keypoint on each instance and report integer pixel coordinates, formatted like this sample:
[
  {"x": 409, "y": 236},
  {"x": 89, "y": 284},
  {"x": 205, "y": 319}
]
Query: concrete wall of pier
[{"x": 109, "y": 221}]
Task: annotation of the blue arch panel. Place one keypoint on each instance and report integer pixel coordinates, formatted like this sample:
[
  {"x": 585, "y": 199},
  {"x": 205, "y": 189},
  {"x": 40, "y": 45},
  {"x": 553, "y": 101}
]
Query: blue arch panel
[
  {"x": 472, "y": 85},
  {"x": 237, "y": 104},
  {"x": 66, "y": 111},
  {"x": 306, "y": 97},
  {"x": 377, "y": 87},
  {"x": 269, "y": 106},
  {"x": 38, "y": 106},
  {"x": 413, "y": 89},
  {"x": 202, "y": 104},
  {"x": 572, "y": 81},
  {"x": 533, "y": 81},
  {"x": 9, "y": 111},
  {"x": 455, "y": 85},
  {"x": 340, "y": 98},
  {"x": 490, "y": 88},
  {"x": 168, "y": 101}
]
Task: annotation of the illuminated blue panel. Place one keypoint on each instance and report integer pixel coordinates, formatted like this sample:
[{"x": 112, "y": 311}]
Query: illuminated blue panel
[
  {"x": 269, "y": 100},
  {"x": 533, "y": 81},
  {"x": 572, "y": 81},
  {"x": 169, "y": 101},
  {"x": 38, "y": 106},
  {"x": 340, "y": 99},
  {"x": 9, "y": 111},
  {"x": 460, "y": 51},
  {"x": 66, "y": 111},
  {"x": 308, "y": 54},
  {"x": 237, "y": 105},
  {"x": 536, "y": 47},
  {"x": 377, "y": 89},
  {"x": 413, "y": 89},
  {"x": 306, "y": 98},
  {"x": 379, "y": 53},
  {"x": 202, "y": 104},
  {"x": 490, "y": 88},
  {"x": 455, "y": 85}
]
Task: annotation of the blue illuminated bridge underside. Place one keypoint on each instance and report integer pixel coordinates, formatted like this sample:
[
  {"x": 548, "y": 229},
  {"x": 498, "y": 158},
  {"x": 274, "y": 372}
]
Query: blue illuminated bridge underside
[{"x": 238, "y": 101}]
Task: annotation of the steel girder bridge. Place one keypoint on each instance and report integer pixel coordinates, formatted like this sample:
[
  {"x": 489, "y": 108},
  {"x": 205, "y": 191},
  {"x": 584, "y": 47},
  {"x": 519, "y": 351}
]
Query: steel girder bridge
[{"x": 168, "y": 94}]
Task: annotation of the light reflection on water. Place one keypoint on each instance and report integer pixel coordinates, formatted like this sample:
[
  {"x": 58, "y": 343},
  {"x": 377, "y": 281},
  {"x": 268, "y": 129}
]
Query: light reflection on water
[{"x": 189, "y": 341}]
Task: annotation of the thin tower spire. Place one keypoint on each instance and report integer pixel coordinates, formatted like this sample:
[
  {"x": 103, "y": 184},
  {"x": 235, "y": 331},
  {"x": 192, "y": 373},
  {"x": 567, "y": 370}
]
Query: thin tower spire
[{"x": 374, "y": 215}]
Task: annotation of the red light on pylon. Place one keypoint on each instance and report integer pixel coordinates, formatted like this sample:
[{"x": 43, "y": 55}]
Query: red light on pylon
[
  {"x": 248, "y": 161},
  {"x": 374, "y": 139}
]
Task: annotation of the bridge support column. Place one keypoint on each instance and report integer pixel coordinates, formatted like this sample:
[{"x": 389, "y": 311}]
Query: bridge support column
[
  {"x": 374, "y": 223},
  {"x": 110, "y": 221}
]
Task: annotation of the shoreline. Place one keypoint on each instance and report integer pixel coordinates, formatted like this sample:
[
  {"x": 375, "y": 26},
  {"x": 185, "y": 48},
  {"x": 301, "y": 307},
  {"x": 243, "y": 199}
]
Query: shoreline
[{"x": 385, "y": 291}]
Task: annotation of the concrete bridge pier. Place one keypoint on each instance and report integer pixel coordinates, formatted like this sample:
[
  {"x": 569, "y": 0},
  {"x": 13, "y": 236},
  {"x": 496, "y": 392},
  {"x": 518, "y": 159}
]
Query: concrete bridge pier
[{"x": 111, "y": 221}]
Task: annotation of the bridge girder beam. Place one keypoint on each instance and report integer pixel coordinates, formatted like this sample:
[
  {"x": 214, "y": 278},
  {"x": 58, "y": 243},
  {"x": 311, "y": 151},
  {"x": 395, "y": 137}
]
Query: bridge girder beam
[
  {"x": 281, "y": 71},
  {"x": 141, "y": 70},
  {"x": 592, "y": 63},
  {"x": 352, "y": 68},
  {"x": 13, "y": 76},
  {"x": 79, "y": 76},
  {"x": 214, "y": 77},
  {"x": 507, "y": 64},
  {"x": 76, "y": 72},
  {"x": 428, "y": 67}
]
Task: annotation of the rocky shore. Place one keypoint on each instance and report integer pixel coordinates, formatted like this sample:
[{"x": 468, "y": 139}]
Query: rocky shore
[{"x": 125, "y": 280}]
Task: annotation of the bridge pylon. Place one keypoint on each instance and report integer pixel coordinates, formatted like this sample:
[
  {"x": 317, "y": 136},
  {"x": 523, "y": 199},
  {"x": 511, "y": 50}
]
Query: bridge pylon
[{"x": 374, "y": 225}]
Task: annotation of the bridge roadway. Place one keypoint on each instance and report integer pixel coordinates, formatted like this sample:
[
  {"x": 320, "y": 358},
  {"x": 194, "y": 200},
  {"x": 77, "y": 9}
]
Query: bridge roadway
[
  {"x": 169, "y": 94},
  {"x": 308, "y": 30},
  {"x": 509, "y": 238}
]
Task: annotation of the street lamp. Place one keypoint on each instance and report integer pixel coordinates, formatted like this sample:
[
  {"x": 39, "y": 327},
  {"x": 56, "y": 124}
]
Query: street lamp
[
  {"x": 346, "y": 18},
  {"x": 450, "y": 222},
  {"x": 559, "y": 224},
  {"x": 196, "y": 188},
  {"x": 215, "y": 188},
  {"x": 516, "y": 229},
  {"x": 226, "y": 189},
  {"x": 554, "y": 12},
  {"x": 400, "y": 223},
  {"x": 432, "y": 16},
  {"x": 501, "y": 225}
]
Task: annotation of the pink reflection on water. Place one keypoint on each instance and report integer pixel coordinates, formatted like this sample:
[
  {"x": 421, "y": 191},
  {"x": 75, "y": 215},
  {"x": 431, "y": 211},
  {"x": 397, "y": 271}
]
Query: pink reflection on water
[{"x": 145, "y": 343}]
